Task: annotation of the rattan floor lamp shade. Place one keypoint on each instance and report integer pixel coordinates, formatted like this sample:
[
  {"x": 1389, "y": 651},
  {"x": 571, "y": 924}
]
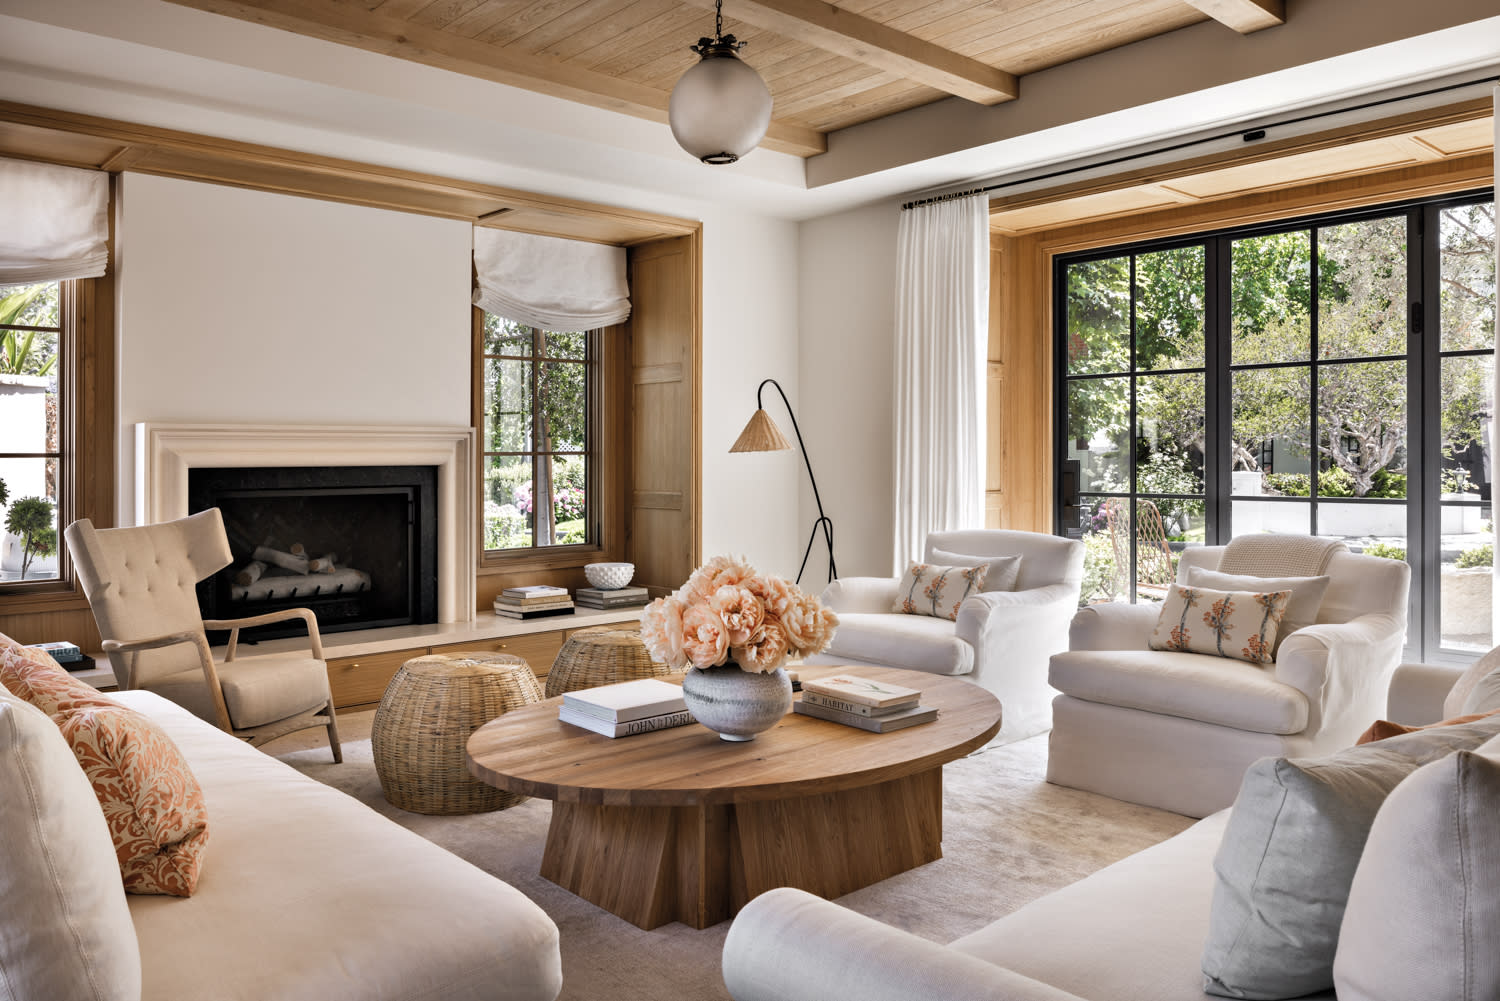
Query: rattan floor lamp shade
[{"x": 426, "y": 716}]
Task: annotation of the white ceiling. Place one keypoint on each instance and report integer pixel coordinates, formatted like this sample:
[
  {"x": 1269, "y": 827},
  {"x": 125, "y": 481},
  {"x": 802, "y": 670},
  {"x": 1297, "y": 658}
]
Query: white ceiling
[{"x": 160, "y": 64}]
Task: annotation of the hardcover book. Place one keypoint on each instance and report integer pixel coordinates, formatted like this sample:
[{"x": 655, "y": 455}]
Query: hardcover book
[
  {"x": 60, "y": 650},
  {"x": 569, "y": 715},
  {"x": 843, "y": 705},
  {"x": 536, "y": 591},
  {"x": 538, "y": 613},
  {"x": 852, "y": 688},
  {"x": 627, "y": 700},
  {"x": 618, "y": 594},
  {"x": 529, "y": 603},
  {"x": 898, "y": 720}
]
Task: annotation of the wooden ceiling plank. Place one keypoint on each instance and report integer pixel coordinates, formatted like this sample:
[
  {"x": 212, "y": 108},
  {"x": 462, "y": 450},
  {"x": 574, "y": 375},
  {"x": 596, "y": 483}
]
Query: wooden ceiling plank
[
  {"x": 1244, "y": 16},
  {"x": 375, "y": 33},
  {"x": 403, "y": 9},
  {"x": 480, "y": 19},
  {"x": 615, "y": 22},
  {"x": 618, "y": 55},
  {"x": 443, "y": 13},
  {"x": 863, "y": 40},
  {"x": 539, "y": 38},
  {"x": 523, "y": 19}
]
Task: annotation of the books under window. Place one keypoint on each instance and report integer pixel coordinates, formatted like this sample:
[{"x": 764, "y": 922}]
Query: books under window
[
  {"x": 898, "y": 720},
  {"x": 527, "y": 606},
  {"x": 627, "y": 700},
  {"x": 863, "y": 691},
  {"x": 534, "y": 592},
  {"x": 627, "y": 728},
  {"x": 532, "y": 613},
  {"x": 625, "y": 597}
]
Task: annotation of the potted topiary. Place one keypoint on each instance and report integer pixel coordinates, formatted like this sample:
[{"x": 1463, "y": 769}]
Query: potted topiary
[{"x": 30, "y": 518}]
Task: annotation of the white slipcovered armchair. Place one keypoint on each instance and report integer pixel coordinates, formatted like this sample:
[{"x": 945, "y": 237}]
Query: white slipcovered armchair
[
  {"x": 1177, "y": 730},
  {"x": 1001, "y": 639}
]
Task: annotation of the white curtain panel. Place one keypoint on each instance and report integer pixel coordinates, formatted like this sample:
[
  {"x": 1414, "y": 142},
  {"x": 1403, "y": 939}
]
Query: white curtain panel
[
  {"x": 54, "y": 222},
  {"x": 548, "y": 282},
  {"x": 1495, "y": 381},
  {"x": 942, "y": 331}
]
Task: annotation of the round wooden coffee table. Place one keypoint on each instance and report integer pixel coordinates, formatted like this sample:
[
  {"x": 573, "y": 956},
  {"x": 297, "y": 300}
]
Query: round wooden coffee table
[{"x": 678, "y": 825}]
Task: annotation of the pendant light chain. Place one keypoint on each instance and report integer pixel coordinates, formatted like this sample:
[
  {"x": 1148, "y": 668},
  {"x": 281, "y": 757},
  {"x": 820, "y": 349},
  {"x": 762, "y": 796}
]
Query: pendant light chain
[{"x": 718, "y": 19}]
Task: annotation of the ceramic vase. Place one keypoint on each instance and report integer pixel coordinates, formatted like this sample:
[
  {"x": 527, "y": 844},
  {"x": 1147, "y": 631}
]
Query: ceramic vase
[{"x": 736, "y": 704}]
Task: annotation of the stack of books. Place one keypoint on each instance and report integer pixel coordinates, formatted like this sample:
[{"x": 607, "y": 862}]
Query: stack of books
[
  {"x": 534, "y": 601},
  {"x": 626, "y": 708},
  {"x": 624, "y": 597},
  {"x": 860, "y": 702}
]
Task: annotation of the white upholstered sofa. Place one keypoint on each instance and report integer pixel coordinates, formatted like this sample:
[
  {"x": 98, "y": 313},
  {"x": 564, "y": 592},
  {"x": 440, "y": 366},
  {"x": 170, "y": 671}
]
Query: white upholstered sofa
[
  {"x": 1134, "y": 931},
  {"x": 1177, "y": 730},
  {"x": 305, "y": 894},
  {"x": 1001, "y": 639}
]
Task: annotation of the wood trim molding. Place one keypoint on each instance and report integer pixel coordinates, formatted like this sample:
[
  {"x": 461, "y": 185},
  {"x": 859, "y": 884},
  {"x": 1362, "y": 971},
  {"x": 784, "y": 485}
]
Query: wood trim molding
[
  {"x": 1244, "y": 16},
  {"x": 165, "y": 452},
  {"x": 35, "y": 133}
]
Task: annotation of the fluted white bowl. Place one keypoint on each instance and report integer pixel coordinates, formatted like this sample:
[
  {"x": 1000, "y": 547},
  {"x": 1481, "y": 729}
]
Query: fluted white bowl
[{"x": 609, "y": 576}]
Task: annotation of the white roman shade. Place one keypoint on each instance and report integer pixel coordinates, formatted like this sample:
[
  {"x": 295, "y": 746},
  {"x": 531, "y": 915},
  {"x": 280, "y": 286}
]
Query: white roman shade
[
  {"x": 56, "y": 222},
  {"x": 551, "y": 283}
]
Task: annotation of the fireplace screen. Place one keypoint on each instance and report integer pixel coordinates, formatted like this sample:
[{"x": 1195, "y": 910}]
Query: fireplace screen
[{"x": 356, "y": 544}]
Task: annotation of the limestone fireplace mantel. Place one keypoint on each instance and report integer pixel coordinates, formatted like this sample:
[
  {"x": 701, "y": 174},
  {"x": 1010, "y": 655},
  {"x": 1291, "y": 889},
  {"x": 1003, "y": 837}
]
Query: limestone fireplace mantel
[{"x": 165, "y": 452}]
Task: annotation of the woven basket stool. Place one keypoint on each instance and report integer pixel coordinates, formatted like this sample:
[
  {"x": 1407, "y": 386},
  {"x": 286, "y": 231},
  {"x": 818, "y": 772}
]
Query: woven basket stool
[
  {"x": 423, "y": 724},
  {"x": 601, "y": 656}
]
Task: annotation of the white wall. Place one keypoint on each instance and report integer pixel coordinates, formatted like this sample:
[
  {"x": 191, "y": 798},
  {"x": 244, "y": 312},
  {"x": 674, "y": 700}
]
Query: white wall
[
  {"x": 848, "y": 280},
  {"x": 246, "y": 306}
]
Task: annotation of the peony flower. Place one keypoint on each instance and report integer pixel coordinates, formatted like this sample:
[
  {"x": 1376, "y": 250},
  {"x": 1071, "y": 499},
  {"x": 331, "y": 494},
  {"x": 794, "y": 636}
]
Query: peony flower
[
  {"x": 705, "y": 638},
  {"x": 808, "y": 625},
  {"x": 766, "y": 651},
  {"x": 741, "y": 611},
  {"x": 721, "y": 571},
  {"x": 773, "y": 591},
  {"x": 662, "y": 631}
]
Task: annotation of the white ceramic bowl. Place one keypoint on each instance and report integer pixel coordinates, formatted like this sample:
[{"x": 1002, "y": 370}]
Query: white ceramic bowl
[{"x": 609, "y": 576}]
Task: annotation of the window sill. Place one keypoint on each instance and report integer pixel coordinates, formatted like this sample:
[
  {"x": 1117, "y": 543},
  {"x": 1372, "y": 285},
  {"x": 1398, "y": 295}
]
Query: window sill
[
  {"x": 58, "y": 596},
  {"x": 522, "y": 561}
]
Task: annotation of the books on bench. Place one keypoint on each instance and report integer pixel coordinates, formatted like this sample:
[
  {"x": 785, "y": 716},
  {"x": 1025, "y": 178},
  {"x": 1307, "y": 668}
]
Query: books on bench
[
  {"x": 626, "y": 708},
  {"x": 624, "y": 597},
  {"x": 863, "y": 703},
  {"x": 534, "y": 601}
]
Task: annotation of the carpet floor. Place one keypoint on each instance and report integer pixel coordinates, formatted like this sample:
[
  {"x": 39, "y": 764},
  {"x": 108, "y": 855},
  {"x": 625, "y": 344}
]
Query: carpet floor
[{"x": 1008, "y": 838}]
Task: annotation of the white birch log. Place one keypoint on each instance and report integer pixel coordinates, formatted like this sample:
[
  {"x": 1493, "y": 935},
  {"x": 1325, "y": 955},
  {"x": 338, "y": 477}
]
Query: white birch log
[
  {"x": 323, "y": 564},
  {"x": 298, "y": 549},
  {"x": 286, "y": 561},
  {"x": 250, "y": 573}
]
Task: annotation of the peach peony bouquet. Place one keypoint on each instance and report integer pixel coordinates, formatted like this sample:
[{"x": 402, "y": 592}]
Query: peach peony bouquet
[{"x": 727, "y": 611}]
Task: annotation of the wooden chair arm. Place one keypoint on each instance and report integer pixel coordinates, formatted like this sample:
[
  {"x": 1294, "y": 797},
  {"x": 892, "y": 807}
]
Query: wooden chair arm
[
  {"x": 153, "y": 643},
  {"x": 235, "y": 625}
]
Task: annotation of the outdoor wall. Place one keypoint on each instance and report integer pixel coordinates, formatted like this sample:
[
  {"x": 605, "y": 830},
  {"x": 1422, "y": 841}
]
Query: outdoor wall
[
  {"x": 242, "y": 306},
  {"x": 848, "y": 280}
]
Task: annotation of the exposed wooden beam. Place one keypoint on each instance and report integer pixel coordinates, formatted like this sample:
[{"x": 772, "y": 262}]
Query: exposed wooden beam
[
  {"x": 853, "y": 36},
  {"x": 350, "y": 23},
  {"x": 1244, "y": 16}
]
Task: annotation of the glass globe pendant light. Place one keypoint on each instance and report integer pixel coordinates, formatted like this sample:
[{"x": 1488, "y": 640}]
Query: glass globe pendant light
[{"x": 720, "y": 108}]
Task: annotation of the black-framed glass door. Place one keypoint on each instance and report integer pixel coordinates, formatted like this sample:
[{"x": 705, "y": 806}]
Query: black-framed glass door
[{"x": 1282, "y": 379}]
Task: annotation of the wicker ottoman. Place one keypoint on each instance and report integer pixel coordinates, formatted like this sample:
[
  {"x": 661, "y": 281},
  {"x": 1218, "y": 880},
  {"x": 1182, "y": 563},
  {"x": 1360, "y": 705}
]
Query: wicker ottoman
[
  {"x": 425, "y": 718},
  {"x": 601, "y": 656}
]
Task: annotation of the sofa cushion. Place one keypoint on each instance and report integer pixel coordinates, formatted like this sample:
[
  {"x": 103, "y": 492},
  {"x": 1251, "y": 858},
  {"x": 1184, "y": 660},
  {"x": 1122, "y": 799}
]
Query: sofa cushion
[
  {"x": 1424, "y": 909},
  {"x": 33, "y": 676},
  {"x": 257, "y": 690},
  {"x": 1194, "y": 686},
  {"x": 1241, "y": 625},
  {"x": 67, "y": 931},
  {"x": 917, "y": 642},
  {"x": 152, "y": 804},
  {"x": 1001, "y": 572},
  {"x": 932, "y": 589},
  {"x": 1478, "y": 689},
  {"x": 1384, "y": 729},
  {"x": 1301, "y": 610},
  {"x": 1289, "y": 854},
  {"x": 313, "y": 895}
]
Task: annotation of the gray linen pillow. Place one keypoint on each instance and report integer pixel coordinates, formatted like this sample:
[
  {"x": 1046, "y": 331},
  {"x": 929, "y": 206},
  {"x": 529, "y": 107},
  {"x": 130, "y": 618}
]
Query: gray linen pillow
[
  {"x": 1424, "y": 910},
  {"x": 1301, "y": 611},
  {"x": 1288, "y": 857},
  {"x": 1002, "y": 574}
]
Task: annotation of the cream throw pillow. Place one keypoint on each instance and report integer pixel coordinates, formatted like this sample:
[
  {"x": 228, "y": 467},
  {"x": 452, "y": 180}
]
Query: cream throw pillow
[
  {"x": 1301, "y": 611},
  {"x": 1237, "y": 624},
  {"x": 1002, "y": 572},
  {"x": 68, "y": 932},
  {"x": 930, "y": 589}
]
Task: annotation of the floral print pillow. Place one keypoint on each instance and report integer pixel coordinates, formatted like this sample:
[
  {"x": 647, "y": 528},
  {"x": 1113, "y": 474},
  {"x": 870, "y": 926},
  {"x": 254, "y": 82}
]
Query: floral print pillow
[
  {"x": 929, "y": 589},
  {"x": 1237, "y": 624}
]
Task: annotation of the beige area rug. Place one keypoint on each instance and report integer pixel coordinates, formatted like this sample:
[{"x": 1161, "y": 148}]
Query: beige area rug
[{"x": 1008, "y": 839}]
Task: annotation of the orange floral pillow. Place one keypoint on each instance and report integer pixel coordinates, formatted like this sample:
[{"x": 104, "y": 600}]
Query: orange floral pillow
[
  {"x": 33, "y": 676},
  {"x": 152, "y": 803},
  {"x": 1383, "y": 728},
  {"x": 928, "y": 589},
  {"x": 1237, "y": 624}
]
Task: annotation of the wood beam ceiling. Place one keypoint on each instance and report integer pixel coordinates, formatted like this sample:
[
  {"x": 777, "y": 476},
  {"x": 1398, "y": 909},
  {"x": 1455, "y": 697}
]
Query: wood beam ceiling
[
  {"x": 351, "y": 24},
  {"x": 855, "y": 37},
  {"x": 1244, "y": 16}
]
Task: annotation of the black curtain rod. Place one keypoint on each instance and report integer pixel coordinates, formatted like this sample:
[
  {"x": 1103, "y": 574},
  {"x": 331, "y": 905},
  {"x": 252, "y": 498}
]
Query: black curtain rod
[{"x": 1249, "y": 135}]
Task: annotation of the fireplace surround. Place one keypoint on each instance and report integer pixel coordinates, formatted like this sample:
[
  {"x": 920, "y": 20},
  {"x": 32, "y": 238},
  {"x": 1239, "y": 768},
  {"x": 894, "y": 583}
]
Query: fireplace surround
[{"x": 165, "y": 452}]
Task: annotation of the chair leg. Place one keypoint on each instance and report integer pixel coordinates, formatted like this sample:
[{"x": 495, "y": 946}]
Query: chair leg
[{"x": 333, "y": 735}]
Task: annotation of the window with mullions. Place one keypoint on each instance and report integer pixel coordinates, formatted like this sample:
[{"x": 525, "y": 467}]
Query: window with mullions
[
  {"x": 31, "y": 338},
  {"x": 1340, "y": 384},
  {"x": 537, "y": 434}
]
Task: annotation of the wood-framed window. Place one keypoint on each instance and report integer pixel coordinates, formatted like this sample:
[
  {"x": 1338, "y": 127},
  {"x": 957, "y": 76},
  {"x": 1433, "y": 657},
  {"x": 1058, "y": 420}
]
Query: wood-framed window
[
  {"x": 57, "y": 432},
  {"x": 538, "y": 404}
]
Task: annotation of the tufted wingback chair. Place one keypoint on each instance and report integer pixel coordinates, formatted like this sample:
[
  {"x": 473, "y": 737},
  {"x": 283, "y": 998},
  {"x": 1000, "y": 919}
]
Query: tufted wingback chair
[{"x": 141, "y": 584}]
